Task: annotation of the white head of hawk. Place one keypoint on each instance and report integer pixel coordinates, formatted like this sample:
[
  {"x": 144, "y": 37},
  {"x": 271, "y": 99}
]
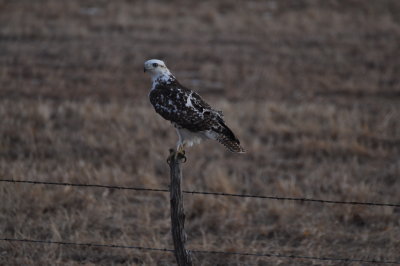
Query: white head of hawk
[
  {"x": 192, "y": 117},
  {"x": 156, "y": 68}
]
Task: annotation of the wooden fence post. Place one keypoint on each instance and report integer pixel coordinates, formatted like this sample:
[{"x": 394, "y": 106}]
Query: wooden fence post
[{"x": 183, "y": 256}]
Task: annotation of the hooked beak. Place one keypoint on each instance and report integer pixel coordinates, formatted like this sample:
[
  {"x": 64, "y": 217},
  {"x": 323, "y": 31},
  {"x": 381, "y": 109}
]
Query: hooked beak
[{"x": 144, "y": 69}]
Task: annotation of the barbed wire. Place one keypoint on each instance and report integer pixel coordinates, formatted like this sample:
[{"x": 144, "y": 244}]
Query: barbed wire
[
  {"x": 322, "y": 201},
  {"x": 35, "y": 241},
  {"x": 296, "y": 257},
  {"x": 83, "y": 185}
]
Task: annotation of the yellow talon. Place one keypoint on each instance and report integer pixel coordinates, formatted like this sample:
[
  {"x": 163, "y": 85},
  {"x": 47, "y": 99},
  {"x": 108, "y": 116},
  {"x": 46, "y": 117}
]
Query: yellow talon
[
  {"x": 177, "y": 155},
  {"x": 180, "y": 154}
]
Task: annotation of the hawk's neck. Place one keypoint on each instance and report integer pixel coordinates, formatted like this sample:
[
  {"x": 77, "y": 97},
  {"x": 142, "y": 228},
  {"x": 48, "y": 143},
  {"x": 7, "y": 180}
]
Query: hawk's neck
[{"x": 165, "y": 79}]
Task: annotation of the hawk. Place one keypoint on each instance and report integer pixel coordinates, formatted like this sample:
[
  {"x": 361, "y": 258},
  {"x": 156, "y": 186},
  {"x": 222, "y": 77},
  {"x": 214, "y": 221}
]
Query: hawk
[{"x": 194, "y": 119}]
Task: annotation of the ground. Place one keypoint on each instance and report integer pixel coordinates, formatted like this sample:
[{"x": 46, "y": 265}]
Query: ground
[{"x": 311, "y": 88}]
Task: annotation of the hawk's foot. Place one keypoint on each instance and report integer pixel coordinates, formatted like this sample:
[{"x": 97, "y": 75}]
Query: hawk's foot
[
  {"x": 180, "y": 155},
  {"x": 177, "y": 155}
]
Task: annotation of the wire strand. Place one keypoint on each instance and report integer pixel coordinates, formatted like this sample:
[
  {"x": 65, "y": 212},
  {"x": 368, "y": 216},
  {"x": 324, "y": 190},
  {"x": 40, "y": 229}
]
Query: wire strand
[
  {"x": 200, "y": 251},
  {"x": 204, "y": 193},
  {"x": 85, "y": 244},
  {"x": 294, "y": 199},
  {"x": 82, "y": 185},
  {"x": 296, "y": 257}
]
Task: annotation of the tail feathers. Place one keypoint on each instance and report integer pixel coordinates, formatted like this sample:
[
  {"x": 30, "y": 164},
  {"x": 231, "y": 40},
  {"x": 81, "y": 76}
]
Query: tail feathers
[
  {"x": 232, "y": 145},
  {"x": 226, "y": 137}
]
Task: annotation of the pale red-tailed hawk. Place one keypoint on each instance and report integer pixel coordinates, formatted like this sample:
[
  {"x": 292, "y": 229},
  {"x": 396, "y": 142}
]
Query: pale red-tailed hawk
[{"x": 192, "y": 117}]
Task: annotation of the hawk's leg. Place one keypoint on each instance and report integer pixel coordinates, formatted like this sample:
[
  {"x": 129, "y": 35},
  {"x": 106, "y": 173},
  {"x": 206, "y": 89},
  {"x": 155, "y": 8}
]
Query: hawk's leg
[
  {"x": 180, "y": 147},
  {"x": 180, "y": 153}
]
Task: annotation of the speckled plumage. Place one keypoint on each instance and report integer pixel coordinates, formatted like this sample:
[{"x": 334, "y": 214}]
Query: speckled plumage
[{"x": 194, "y": 119}]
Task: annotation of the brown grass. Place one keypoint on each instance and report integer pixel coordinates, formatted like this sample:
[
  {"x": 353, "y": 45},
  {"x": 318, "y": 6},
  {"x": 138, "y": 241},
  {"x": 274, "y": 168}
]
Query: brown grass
[{"x": 311, "y": 88}]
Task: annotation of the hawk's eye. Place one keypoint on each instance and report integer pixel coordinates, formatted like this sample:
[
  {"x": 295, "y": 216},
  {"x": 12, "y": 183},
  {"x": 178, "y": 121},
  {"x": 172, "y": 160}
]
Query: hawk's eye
[{"x": 155, "y": 65}]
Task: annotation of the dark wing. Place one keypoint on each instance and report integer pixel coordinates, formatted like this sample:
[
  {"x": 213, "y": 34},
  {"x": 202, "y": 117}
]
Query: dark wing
[{"x": 183, "y": 107}]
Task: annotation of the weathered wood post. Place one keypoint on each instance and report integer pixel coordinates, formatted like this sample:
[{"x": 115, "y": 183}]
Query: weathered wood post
[{"x": 183, "y": 257}]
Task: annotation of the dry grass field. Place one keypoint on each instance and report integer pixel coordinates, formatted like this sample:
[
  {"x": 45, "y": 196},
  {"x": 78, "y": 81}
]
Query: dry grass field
[{"x": 312, "y": 89}]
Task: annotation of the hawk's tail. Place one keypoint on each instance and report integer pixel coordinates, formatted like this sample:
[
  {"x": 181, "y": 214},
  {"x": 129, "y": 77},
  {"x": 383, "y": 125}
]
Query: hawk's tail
[
  {"x": 232, "y": 145},
  {"x": 229, "y": 140}
]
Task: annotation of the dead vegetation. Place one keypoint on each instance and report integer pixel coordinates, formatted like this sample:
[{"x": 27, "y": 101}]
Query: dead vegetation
[{"x": 312, "y": 89}]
